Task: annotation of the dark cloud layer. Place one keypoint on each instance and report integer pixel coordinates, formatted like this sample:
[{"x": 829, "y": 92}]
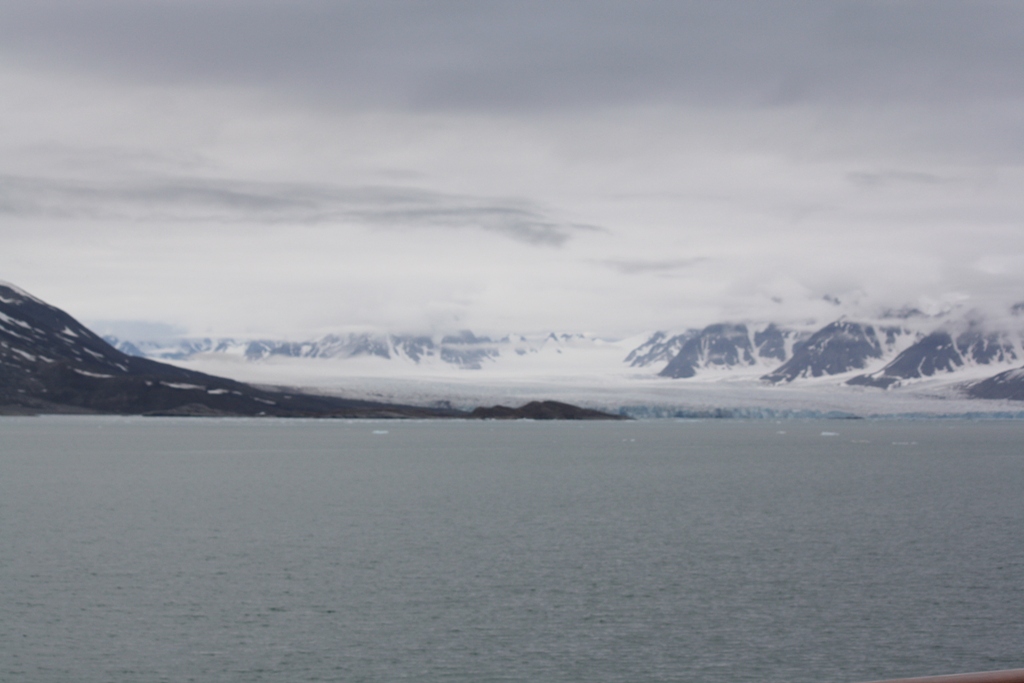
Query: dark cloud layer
[
  {"x": 172, "y": 200},
  {"x": 536, "y": 53}
]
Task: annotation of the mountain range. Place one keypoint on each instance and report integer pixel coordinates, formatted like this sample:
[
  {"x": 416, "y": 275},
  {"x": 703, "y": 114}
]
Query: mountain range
[
  {"x": 51, "y": 363},
  {"x": 462, "y": 350},
  {"x": 885, "y": 354}
]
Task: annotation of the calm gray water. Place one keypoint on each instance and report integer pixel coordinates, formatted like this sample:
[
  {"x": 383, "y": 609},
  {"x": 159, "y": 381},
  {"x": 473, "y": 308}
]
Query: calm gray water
[{"x": 236, "y": 550}]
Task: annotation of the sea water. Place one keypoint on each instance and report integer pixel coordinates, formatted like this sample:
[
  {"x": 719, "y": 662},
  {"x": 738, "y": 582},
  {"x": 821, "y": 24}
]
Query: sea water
[{"x": 151, "y": 549}]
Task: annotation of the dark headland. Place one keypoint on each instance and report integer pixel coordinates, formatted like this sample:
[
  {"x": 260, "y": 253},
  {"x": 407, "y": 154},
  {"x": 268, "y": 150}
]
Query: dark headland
[
  {"x": 52, "y": 364},
  {"x": 542, "y": 410}
]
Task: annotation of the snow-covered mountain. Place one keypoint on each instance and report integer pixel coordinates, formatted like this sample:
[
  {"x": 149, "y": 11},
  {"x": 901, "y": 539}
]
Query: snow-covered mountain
[
  {"x": 464, "y": 350},
  {"x": 409, "y": 353},
  {"x": 843, "y": 362},
  {"x": 770, "y": 352},
  {"x": 840, "y": 347},
  {"x": 884, "y": 353},
  {"x": 944, "y": 352},
  {"x": 881, "y": 354},
  {"x": 720, "y": 347}
]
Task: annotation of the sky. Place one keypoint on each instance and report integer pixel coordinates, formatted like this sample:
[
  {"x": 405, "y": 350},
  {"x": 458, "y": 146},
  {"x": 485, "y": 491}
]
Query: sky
[{"x": 298, "y": 167}]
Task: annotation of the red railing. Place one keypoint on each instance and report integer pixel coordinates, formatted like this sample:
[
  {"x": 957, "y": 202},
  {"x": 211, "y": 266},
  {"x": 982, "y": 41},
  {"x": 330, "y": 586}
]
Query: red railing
[{"x": 1007, "y": 676}]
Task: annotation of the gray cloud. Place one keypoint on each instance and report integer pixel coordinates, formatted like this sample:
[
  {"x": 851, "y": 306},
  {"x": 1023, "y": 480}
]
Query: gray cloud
[
  {"x": 641, "y": 266},
  {"x": 889, "y": 178},
  {"x": 187, "y": 200},
  {"x": 535, "y": 53}
]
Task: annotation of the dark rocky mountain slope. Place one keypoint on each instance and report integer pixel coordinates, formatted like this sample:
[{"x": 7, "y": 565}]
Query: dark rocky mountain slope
[
  {"x": 839, "y": 347},
  {"x": 1005, "y": 385},
  {"x": 718, "y": 346},
  {"x": 940, "y": 352}
]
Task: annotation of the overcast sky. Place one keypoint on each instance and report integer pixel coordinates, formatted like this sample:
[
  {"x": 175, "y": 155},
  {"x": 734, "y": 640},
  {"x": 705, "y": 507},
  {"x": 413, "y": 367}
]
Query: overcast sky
[{"x": 292, "y": 168}]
